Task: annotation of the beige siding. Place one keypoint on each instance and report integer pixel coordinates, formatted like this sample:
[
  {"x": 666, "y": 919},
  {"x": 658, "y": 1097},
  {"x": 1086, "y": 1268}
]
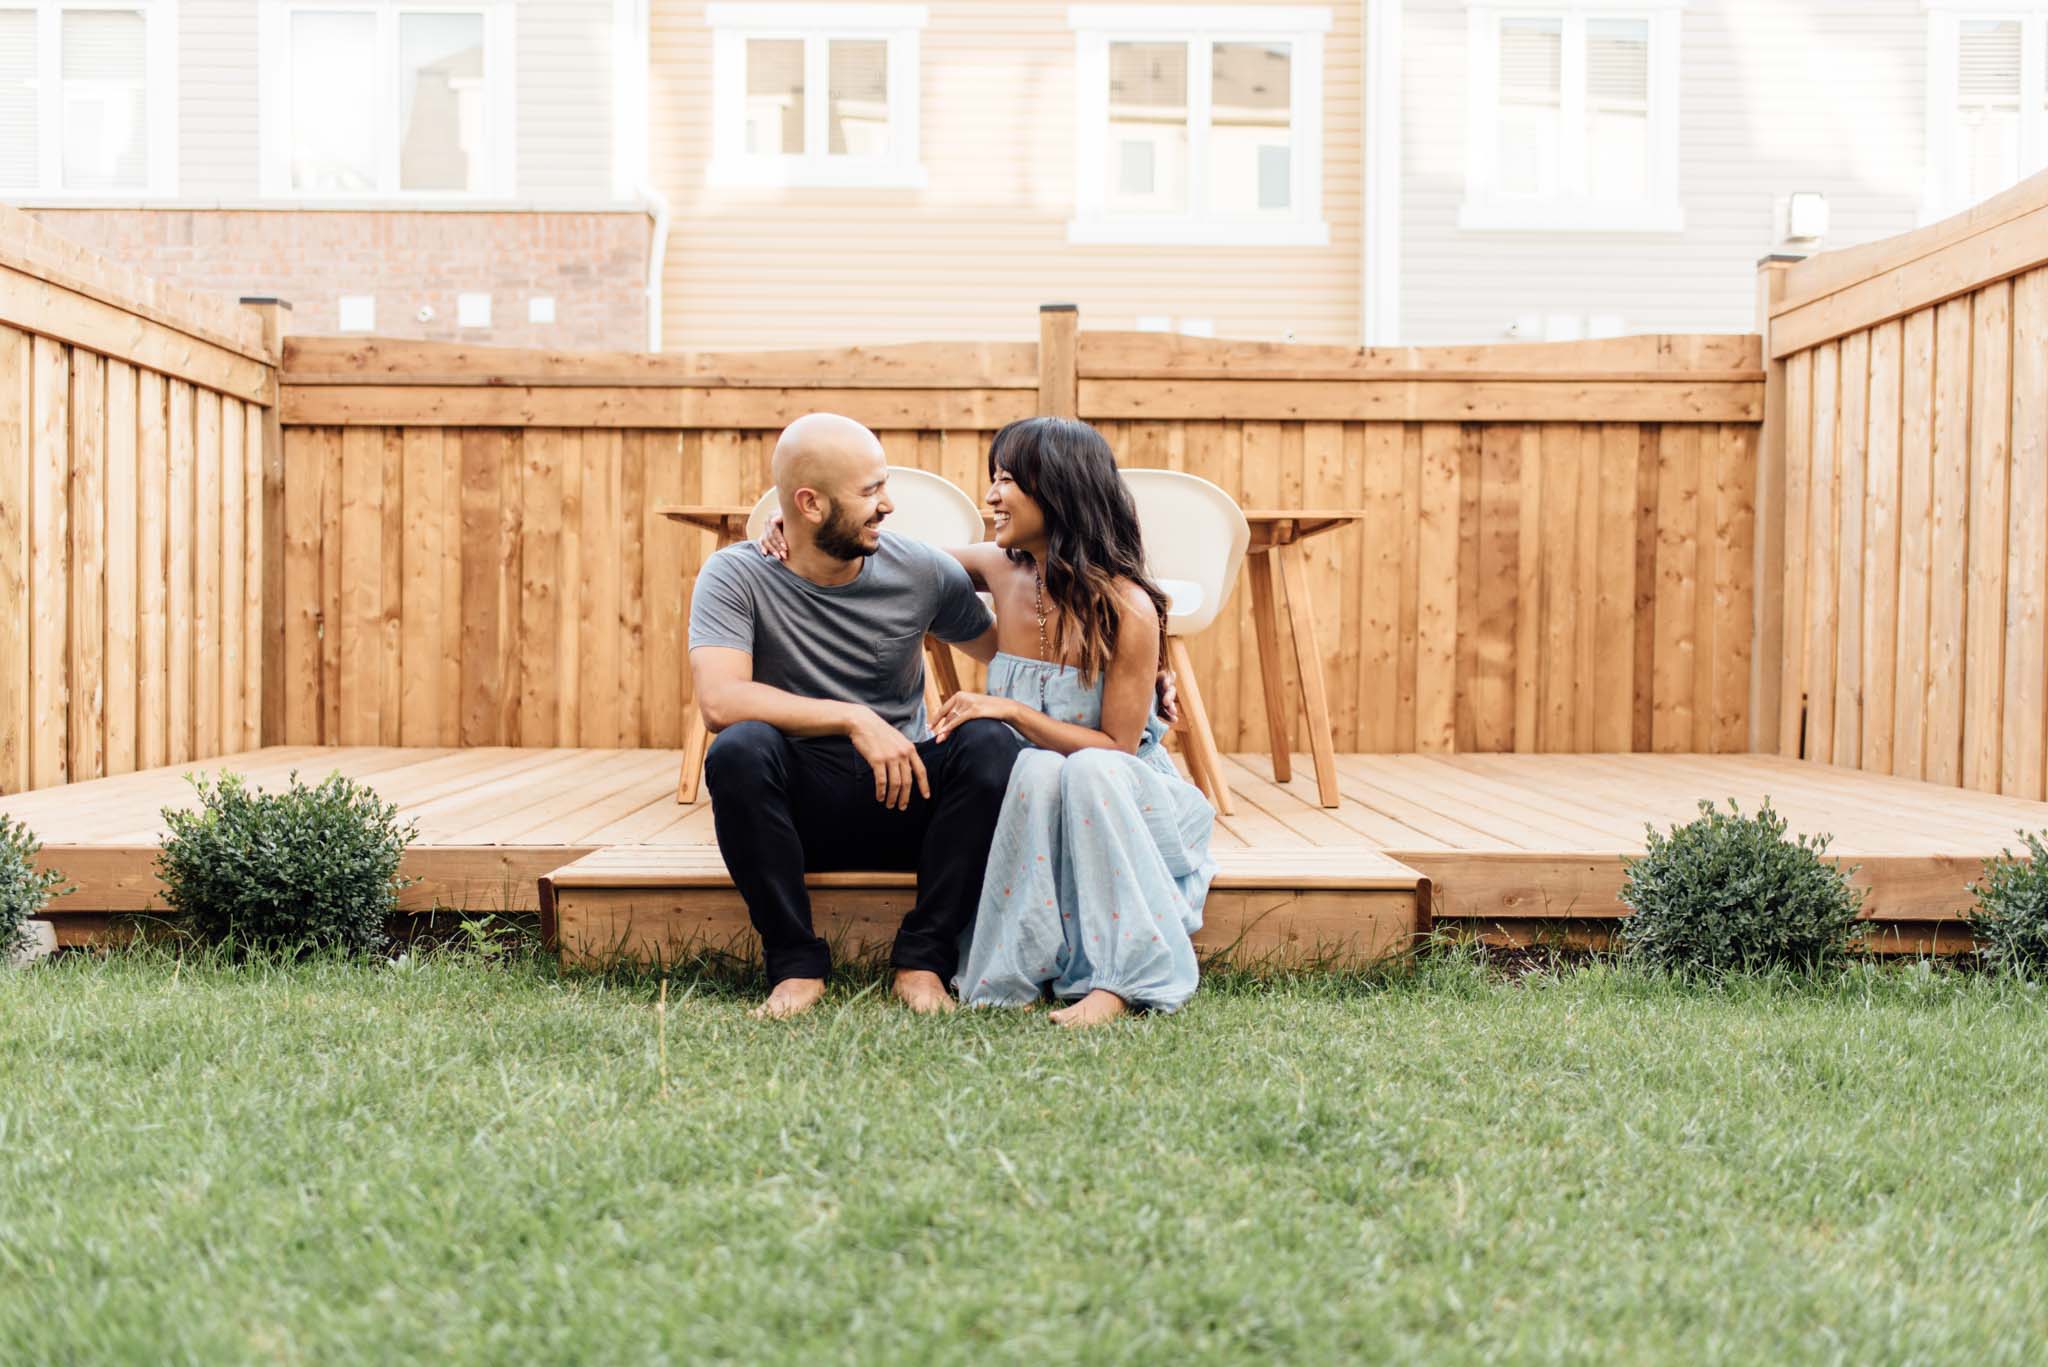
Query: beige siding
[
  {"x": 974, "y": 253},
  {"x": 1773, "y": 97},
  {"x": 562, "y": 63}
]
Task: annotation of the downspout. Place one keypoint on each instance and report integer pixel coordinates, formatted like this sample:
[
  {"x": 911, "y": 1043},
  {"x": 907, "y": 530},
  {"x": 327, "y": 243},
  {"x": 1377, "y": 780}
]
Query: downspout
[
  {"x": 1379, "y": 284},
  {"x": 632, "y": 61}
]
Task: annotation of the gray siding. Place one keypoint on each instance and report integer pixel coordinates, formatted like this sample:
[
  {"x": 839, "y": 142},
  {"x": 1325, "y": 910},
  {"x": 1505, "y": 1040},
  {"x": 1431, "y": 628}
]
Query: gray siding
[{"x": 1773, "y": 97}]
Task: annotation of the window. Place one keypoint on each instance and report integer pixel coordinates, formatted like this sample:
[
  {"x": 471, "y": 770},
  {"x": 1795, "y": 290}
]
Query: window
[
  {"x": 88, "y": 97},
  {"x": 1987, "y": 103},
  {"x": 815, "y": 94},
  {"x": 374, "y": 98},
  {"x": 1573, "y": 119},
  {"x": 1199, "y": 125}
]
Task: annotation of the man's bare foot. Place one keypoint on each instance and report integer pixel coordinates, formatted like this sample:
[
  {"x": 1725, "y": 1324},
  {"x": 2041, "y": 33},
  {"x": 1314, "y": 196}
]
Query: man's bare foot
[
  {"x": 791, "y": 997},
  {"x": 1097, "y": 1008},
  {"x": 921, "y": 991}
]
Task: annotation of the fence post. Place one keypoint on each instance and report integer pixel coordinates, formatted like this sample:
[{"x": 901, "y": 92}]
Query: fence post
[
  {"x": 1059, "y": 381},
  {"x": 274, "y": 313},
  {"x": 1767, "y": 648}
]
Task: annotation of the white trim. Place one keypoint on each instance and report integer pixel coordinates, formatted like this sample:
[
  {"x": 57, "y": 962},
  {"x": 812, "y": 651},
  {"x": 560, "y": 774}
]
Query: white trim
[
  {"x": 159, "y": 99},
  {"x": 1942, "y": 192},
  {"x": 1571, "y": 208},
  {"x": 1262, "y": 19},
  {"x": 273, "y": 27},
  {"x": 815, "y": 25},
  {"x": 1200, "y": 26},
  {"x": 1380, "y": 264}
]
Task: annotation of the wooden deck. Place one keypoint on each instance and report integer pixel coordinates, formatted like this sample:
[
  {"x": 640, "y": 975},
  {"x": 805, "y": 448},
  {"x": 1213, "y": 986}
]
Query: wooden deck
[{"x": 1506, "y": 841}]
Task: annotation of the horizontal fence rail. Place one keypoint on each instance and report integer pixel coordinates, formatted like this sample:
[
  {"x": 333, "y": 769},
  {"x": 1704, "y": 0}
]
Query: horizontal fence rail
[
  {"x": 132, "y": 431},
  {"x": 472, "y": 555}
]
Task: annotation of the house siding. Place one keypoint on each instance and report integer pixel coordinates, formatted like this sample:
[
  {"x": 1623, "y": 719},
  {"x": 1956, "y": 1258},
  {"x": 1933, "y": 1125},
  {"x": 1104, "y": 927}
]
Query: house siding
[
  {"x": 975, "y": 252},
  {"x": 1772, "y": 98}
]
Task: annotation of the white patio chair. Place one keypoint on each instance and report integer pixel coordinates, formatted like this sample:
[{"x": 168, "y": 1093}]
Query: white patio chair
[
  {"x": 928, "y": 508},
  {"x": 1195, "y": 540}
]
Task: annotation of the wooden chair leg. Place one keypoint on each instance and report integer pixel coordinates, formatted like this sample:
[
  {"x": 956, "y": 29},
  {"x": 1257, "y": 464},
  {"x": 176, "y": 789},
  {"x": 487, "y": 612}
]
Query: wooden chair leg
[
  {"x": 1266, "y": 621},
  {"x": 696, "y": 739},
  {"x": 943, "y": 668},
  {"x": 1201, "y": 738},
  {"x": 1308, "y": 663},
  {"x": 1192, "y": 755}
]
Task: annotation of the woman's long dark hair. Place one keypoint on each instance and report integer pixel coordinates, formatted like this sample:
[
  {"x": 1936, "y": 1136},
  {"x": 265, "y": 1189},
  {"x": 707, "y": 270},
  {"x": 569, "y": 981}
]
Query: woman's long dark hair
[{"x": 1091, "y": 531}]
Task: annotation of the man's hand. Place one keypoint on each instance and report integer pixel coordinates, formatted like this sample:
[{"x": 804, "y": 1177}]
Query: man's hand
[
  {"x": 1169, "y": 697},
  {"x": 964, "y": 707},
  {"x": 893, "y": 758}
]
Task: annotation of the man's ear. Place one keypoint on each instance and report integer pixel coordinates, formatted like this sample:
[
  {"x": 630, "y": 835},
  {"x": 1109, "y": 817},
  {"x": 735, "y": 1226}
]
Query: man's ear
[{"x": 811, "y": 506}]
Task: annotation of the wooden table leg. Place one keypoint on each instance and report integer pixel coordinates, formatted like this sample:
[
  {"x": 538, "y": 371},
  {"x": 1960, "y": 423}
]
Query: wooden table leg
[
  {"x": 1266, "y": 620},
  {"x": 1201, "y": 739},
  {"x": 696, "y": 738},
  {"x": 1308, "y": 661}
]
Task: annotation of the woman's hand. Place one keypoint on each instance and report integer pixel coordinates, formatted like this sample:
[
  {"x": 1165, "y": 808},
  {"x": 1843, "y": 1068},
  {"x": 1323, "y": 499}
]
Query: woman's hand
[
  {"x": 773, "y": 542},
  {"x": 964, "y": 707},
  {"x": 1169, "y": 697}
]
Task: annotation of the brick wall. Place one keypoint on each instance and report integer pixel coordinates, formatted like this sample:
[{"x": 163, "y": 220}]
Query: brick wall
[{"x": 593, "y": 265}]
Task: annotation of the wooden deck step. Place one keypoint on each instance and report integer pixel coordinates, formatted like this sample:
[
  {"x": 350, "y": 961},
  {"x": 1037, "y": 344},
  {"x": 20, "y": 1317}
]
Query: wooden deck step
[{"x": 655, "y": 902}]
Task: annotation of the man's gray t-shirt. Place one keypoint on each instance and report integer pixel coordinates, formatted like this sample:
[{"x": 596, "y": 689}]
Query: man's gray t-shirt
[{"x": 861, "y": 641}]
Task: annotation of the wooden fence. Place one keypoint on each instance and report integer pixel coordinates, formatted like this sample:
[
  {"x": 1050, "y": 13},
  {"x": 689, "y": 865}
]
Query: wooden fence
[
  {"x": 132, "y": 429},
  {"x": 1554, "y": 553},
  {"x": 1911, "y": 541}
]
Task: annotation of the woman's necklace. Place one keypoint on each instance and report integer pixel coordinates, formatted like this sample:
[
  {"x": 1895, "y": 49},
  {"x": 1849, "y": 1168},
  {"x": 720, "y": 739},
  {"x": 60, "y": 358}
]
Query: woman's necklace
[{"x": 1044, "y": 647}]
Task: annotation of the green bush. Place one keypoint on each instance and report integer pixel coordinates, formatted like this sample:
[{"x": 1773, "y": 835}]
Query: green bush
[
  {"x": 2010, "y": 919},
  {"x": 305, "y": 868},
  {"x": 1730, "y": 891},
  {"x": 23, "y": 891}
]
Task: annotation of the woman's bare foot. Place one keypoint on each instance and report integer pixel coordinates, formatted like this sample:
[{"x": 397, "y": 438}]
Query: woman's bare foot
[
  {"x": 921, "y": 991},
  {"x": 791, "y": 997},
  {"x": 1099, "y": 1007}
]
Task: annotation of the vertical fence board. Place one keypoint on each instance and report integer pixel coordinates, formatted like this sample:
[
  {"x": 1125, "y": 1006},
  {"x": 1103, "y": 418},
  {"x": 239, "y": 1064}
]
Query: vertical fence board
[
  {"x": 1436, "y": 577},
  {"x": 362, "y": 585},
  {"x": 1880, "y": 605},
  {"x": 1642, "y": 700},
  {"x": 598, "y": 710},
  {"x": 1678, "y": 548},
  {"x": 308, "y": 454},
  {"x": 1824, "y": 502},
  {"x": 1949, "y": 555},
  {"x": 206, "y": 574},
  {"x": 233, "y": 564},
  {"x": 391, "y": 589},
  {"x": 1853, "y": 494},
  {"x": 49, "y": 564},
  {"x": 1990, "y": 450},
  {"x": 118, "y": 745},
  {"x": 665, "y": 659},
  {"x": 1379, "y": 654},
  {"x": 152, "y": 503},
  {"x": 1916, "y": 544},
  {"x": 541, "y": 604},
  {"x": 1614, "y": 602},
  {"x": 1734, "y": 524},
  {"x": 87, "y": 519},
  {"x": 1799, "y": 420},
  {"x": 1528, "y": 637},
  {"x": 423, "y": 484},
  {"x": 1558, "y": 636},
  {"x": 1500, "y": 522},
  {"x": 632, "y": 562},
  {"x": 259, "y": 526}
]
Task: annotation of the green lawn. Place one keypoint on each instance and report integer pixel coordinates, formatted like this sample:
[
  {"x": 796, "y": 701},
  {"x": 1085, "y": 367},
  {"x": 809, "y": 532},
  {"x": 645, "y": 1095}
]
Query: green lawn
[{"x": 334, "y": 1163}]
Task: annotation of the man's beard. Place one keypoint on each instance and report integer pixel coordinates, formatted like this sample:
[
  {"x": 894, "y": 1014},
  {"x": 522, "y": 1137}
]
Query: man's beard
[{"x": 840, "y": 536}]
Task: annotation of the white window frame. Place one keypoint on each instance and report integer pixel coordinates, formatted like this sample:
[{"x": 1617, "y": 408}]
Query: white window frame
[
  {"x": 1201, "y": 26},
  {"x": 1943, "y": 193},
  {"x": 1572, "y": 209},
  {"x": 159, "y": 100},
  {"x": 274, "y": 31},
  {"x": 815, "y": 25}
]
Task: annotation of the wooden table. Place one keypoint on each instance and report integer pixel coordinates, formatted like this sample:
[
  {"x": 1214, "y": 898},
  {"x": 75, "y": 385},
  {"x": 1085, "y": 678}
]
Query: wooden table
[{"x": 1269, "y": 557}]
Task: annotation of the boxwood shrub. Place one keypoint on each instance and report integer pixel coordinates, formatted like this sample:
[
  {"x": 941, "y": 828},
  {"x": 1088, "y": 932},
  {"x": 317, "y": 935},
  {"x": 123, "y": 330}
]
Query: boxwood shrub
[
  {"x": 24, "y": 891},
  {"x": 306, "y": 868},
  {"x": 1729, "y": 891},
  {"x": 2010, "y": 919}
]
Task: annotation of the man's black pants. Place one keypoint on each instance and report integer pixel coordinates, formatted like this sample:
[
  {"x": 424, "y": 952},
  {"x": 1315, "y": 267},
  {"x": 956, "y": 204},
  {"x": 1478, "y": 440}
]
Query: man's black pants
[{"x": 785, "y": 806}]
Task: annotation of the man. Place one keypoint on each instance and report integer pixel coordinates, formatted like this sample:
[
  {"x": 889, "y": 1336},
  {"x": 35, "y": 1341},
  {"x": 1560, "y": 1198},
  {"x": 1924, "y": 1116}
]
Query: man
[{"x": 811, "y": 669}]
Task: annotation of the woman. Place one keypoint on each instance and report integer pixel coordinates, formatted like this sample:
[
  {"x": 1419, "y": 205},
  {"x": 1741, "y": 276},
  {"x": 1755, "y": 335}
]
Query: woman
[{"x": 1100, "y": 861}]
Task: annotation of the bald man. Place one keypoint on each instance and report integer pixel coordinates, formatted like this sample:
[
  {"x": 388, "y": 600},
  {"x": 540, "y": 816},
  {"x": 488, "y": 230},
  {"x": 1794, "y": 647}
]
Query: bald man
[{"x": 811, "y": 670}]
